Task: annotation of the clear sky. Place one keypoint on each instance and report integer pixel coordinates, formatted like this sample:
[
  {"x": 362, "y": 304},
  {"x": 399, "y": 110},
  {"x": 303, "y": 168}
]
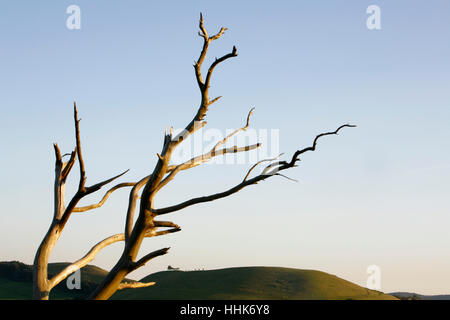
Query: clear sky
[{"x": 374, "y": 195}]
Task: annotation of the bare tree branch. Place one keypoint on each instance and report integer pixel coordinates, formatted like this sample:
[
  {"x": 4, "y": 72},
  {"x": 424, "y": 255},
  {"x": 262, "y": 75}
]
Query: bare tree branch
[
  {"x": 85, "y": 260},
  {"x": 147, "y": 258},
  {"x": 313, "y": 147},
  {"x": 259, "y": 162},
  {"x": 134, "y": 285},
  {"x": 196, "y": 161},
  {"x": 82, "y": 189},
  {"x": 165, "y": 224},
  {"x": 68, "y": 165},
  {"x": 59, "y": 185},
  {"x": 198, "y": 64},
  {"x": 202, "y": 27},
  {"x": 145, "y": 225},
  {"x": 99, "y": 185},
  {"x": 78, "y": 141},
  {"x": 204, "y": 86},
  {"x": 134, "y": 194},
  {"x": 193, "y": 162},
  {"x": 214, "y": 100},
  {"x": 281, "y": 166},
  {"x": 168, "y": 178},
  {"x": 57, "y": 153},
  {"x": 282, "y": 175},
  {"x": 153, "y": 233},
  {"x": 210, "y": 197},
  {"x": 105, "y": 197},
  {"x": 219, "y": 34},
  {"x": 221, "y": 142},
  {"x": 216, "y": 62}
]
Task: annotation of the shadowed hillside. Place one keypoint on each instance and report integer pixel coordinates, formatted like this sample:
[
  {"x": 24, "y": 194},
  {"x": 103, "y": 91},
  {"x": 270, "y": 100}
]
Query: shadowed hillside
[
  {"x": 16, "y": 281},
  {"x": 231, "y": 283},
  {"x": 249, "y": 283}
]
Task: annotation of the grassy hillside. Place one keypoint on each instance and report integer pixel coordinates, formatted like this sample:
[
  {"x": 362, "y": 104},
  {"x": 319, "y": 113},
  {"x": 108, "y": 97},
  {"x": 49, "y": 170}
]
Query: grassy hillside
[
  {"x": 249, "y": 283},
  {"x": 16, "y": 281},
  {"x": 231, "y": 283}
]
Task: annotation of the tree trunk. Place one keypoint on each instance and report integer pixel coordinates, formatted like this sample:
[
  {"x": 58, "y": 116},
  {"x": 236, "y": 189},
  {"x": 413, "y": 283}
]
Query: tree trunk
[
  {"x": 125, "y": 264},
  {"x": 41, "y": 287}
]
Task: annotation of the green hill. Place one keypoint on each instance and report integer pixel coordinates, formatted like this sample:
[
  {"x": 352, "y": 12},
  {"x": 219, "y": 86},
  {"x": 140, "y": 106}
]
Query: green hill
[
  {"x": 249, "y": 283},
  {"x": 16, "y": 281},
  {"x": 227, "y": 284}
]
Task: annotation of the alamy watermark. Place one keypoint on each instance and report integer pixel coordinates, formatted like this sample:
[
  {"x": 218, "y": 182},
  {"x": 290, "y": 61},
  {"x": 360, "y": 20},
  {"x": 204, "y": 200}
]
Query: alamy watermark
[
  {"x": 74, "y": 280},
  {"x": 374, "y": 20},
  {"x": 246, "y": 147},
  {"x": 374, "y": 279},
  {"x": 73, "y": 22}
]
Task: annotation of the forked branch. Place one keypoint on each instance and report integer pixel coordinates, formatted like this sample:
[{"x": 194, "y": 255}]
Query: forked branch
[
  {"x": 282, "y": 165},
  {"x": 95, "y": 250},
  {"x": 196, "y": 161},
  {"x": 82, "y": 189},
  {"x": 105, "y": 197},
  {"x": 86, "y": 259},
  {"x": 224, "y": 140},
  {"x": 232, "y": 54}
]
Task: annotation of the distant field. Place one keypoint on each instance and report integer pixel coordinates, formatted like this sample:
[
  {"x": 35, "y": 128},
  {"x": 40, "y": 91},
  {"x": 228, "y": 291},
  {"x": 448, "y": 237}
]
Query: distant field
[{"x": 227, "y": 284}]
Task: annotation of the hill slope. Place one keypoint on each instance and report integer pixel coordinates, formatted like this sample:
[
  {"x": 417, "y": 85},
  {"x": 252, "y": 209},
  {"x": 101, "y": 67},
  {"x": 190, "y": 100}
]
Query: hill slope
[
  {"x": 16, "y": 281},
  {"x": 416, "y": 296},
  {"x": 249, "y": 283},
  {"x": 231, "y": 283}
]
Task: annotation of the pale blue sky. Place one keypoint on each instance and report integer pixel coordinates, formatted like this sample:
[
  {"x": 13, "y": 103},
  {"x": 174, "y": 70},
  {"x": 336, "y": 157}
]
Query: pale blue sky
[{"x": 374, "y": 195}]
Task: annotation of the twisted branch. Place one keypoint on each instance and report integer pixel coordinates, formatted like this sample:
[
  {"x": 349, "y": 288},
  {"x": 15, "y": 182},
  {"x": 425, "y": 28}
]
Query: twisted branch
[
  {"x": 88, "y": 257},
  {"x": 147, "y": 258},
  {"x": 105, "y": 197},
  {"x": 85, "y": 260},
  {"x": 282, "y": 165},
  {"x": 196, "y": 161}
]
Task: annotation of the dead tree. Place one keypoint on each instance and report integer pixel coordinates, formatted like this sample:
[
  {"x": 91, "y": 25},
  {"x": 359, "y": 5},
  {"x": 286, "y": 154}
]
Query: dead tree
[{"x": 146, "y": 224}]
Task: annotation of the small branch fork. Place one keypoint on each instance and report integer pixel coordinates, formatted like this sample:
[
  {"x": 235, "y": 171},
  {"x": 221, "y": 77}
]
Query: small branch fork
[{"x": 83, "y": 191}]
